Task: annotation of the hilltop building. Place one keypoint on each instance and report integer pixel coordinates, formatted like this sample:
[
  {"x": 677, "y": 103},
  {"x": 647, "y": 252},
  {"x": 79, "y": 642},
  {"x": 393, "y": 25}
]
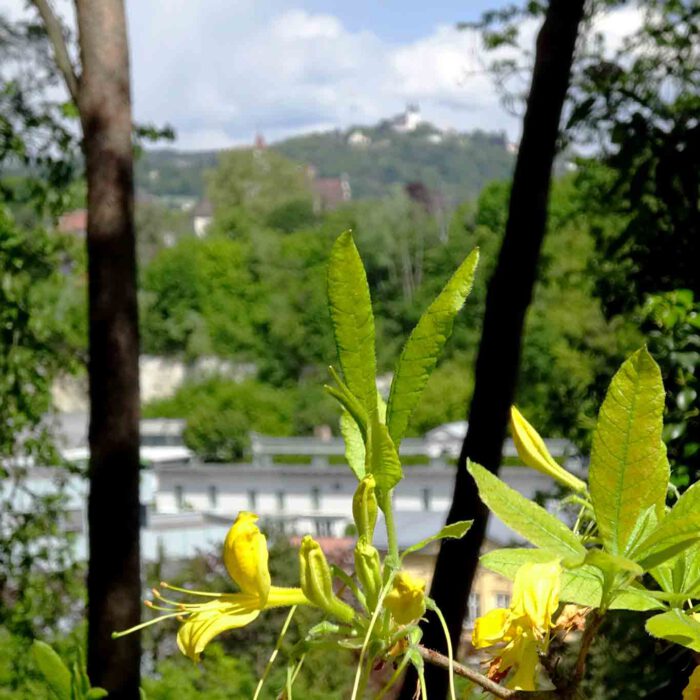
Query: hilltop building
[
  {"x": 358, "y": 139},
  {"x": 408, "y": 121}
]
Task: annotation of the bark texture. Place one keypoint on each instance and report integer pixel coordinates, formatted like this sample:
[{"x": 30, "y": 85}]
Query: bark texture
[
  {"x": 509, "y": 294},
  {"x": 114, "y": 588}
]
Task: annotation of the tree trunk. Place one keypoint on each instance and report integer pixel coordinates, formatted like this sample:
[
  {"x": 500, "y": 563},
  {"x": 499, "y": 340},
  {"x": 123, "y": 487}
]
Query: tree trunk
[
  {"x": 509, "y": 294},
  {"x": 114, "y": 587}
]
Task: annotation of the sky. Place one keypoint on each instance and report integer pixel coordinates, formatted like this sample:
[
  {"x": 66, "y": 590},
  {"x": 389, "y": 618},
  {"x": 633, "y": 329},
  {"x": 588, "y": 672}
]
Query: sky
[{"x": 221, "y": 71}]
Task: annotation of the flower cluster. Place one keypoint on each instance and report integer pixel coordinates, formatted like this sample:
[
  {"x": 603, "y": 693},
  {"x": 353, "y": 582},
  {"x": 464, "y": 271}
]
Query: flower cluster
[
  {"x": 245, "y": 556},
  {"x": 246, "y": 559},
  {"x": 518, "y": 635}
]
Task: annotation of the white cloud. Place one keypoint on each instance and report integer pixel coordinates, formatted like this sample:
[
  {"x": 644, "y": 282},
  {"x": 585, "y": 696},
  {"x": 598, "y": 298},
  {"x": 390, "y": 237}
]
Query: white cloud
[
  {"x": 226, "y": 70},
  {"x": 221, "y": 70}
]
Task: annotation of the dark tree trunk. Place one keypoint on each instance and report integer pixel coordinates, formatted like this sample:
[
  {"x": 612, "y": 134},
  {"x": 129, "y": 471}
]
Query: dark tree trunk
[
  {"x": 509, "y": 294},
  {"x": 114, "y": 587}
]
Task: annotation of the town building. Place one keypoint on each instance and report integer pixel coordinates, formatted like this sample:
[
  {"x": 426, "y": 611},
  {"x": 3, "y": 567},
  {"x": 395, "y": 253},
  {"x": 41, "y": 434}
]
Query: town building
[{"x": 296, "y": 485}]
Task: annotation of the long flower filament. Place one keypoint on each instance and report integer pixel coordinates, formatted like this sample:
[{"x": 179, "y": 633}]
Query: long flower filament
[
  {"x": 205, "y": 594},
  {"x": 143, "y": 625}
]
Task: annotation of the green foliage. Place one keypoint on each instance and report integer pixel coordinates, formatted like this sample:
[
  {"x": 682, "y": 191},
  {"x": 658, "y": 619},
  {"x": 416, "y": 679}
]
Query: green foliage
[
  {"x": 198, "y": 299},
  {"x": 452, "y": 531},
  {"x": 158, "y": 227},
  {"x": 221, "y": 677},
  {"x": 37, "y": 585},
  {"x": 424, "y": 346},
  {"x": 629, "y": 471},
  {"x": 38, "y": 146},
  {"x": 458, "y": 167},
  {"x": 353, "y": 321},
  {"x": 221, "y": 414},
  {"x": 676, "y": 627},
  {"x": 64, "y": 684},
  {"x": 676, "y": 532},
  {"x": 526, "y": 517},
  {"x": 446, "y": 394},
  {"x": 262, "y": 297},
  {"x": 54, "y": 671},
  {"x": 640, "y": 102},
  {"x": 353, "y": 326},
  {"x": 624, "y": 523},
  {"x": 672, "y": 326},
  {"x": 254, "y": 185}
]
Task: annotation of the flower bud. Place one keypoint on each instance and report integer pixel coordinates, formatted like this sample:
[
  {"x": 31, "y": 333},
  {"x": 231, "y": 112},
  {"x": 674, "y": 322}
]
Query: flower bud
[
  {"x": 317, "y": 582},
  {"x": 406, "y": 599},
  {"x": 533, "y": 451},
  {"x": 364, "y": 507},
  {"x": 368, "y": 571}
]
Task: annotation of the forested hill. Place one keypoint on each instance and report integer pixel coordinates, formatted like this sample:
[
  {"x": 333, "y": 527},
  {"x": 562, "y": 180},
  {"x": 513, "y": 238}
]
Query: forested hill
[{"x": 454, "y": 165}]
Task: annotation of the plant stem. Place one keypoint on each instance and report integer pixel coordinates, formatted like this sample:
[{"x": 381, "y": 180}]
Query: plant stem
[
  {"x": 276, "y": 651},
  {"x": 593, "y": 625},
  {"x": 387, "y": 508},
  {"x": 440, "y": 660}
]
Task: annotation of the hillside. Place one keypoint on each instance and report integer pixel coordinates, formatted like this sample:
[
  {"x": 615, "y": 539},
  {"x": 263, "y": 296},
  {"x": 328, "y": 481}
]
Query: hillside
[{"x": 454, "y": 165}]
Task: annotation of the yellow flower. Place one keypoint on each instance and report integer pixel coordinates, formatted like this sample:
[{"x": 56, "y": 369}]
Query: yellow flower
[
  {"x": 520, "y": 632},
  {"x": 246, "y": 560},
  {"x": 406, "y": 599},
  {"x": 533, "y": 451},
  {"x": 692, "y": 690},
  {"x": 536, "y": 594}
]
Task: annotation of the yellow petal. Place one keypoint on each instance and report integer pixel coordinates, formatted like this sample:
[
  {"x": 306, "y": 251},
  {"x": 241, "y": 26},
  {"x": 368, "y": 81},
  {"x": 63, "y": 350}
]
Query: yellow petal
[
  {"x": 692, "y": 690},
  {"x": 536, "y": 594},
  {"x": 533, "y": 451},
  {"x": 236, "y": 610},
  {"x": 406, "y": 599},
  {"x": 521, "y": 656},
  {"x": 245, "y": 556},
  {"x": 490, "y": 629}
]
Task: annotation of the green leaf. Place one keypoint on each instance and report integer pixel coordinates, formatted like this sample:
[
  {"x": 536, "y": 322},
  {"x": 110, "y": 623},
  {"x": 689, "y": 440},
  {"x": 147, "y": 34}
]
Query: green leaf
[
  {"x": 422, "y": 349},
  {"x": 629, "y": 470},
  {"x": 96, "y": 693},
  {"x": 582, "y": 585},
  {"x": 353, "y": 321},
  {"x": 349, "y": 402},
  {"x": 614, "y": 570},
  {"x": 675, "y": 626},
  {"x": 54, "y": 671},
  {"x": 453, "y": 531},
  {"x": 679, "y": 530},
  {"x": 354, "y": 444},
  {"x": 382, "y": 459},
  {"x": 612, "y": 564},
  {"x": 681, "y": 574},
  {"x": 528, "y": 519}
]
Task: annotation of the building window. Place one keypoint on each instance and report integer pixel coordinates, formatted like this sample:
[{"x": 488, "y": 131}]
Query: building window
[
  {"x": 179, "y": 497},
  {"x": 426, "y": 499},
  {"x": 280, "y": 500},
  {"x": 315, "y": 498},
  {"x": 252, "y": 500},
  {"x": 502, "y": 600},
  {"x": 323, "y": 528},
  {"x": 213, "y": 496},
  {"x": 473, "y": 607}
]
